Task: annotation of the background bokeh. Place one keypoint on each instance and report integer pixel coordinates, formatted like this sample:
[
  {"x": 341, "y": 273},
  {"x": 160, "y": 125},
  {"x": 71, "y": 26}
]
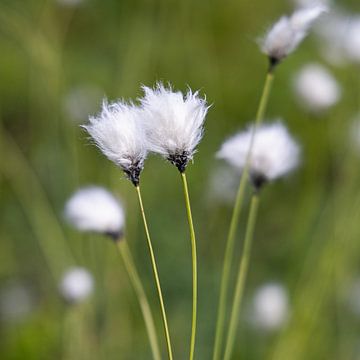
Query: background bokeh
[{"x": 58, "y": 60}]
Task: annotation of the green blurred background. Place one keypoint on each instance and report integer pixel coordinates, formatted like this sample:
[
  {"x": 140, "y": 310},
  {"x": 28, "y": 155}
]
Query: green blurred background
[{"x": 57, "y": 62}]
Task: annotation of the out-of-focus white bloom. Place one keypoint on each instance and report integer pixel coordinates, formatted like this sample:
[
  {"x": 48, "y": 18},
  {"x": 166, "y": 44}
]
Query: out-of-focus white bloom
[
  {"x": 332, "y": 29},
  {"x": 76, "y": 285},
  {"x": 81, "y": 101},
  {"x": 95, "y": 209},
  {"x": 173, "y": 123},
  {"x": 270, "y": 307},
  {"x": 286, "y": 34},
  {"x": 316, "y": 88},
  {"x": 16, "y": 302},
  {"x": 274, "y": 152},
  {"x": 352, "y": 40},
  {"x": 70, "y": 2},
  {"x": 119, "y": 134}
]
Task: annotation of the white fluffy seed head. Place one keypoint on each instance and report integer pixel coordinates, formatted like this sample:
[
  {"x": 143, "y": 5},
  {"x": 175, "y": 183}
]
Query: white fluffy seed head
[
  {"x": 76, "y": 285},
  {"x": 316, "y": 88},
  {"x": 270, "y": 306},
  {"x": 173, "y": 122},
  {"x": 119, "y": 134},
  {"x": 274, "y": 152},
  {"x": 286, "y": 34},
  {"x": 95, "y": 209}
]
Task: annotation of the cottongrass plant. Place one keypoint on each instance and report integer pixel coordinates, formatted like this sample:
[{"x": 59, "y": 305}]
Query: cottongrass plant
[
  {"x": 119, "y": 133},
  {"x": 279, "y": 41},
  {"x": 173, "y": 124},
  {"x": 94, "y": 209},
  {"x": 274, "y": 154}
]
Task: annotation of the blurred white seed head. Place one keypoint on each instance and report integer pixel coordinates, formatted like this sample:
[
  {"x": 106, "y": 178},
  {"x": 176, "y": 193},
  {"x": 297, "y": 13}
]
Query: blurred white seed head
[
  {"x": 223, "y": 183},
  {"x": 306, "y": 3},
  {"x": 95, "y": 209},
  {"x": 354, "y": 132},
  {"x": 333, "y": 29},
  {"x": 352, "y": 40},
  {"x": 76, "y": 285},
  {"x": 16, "y": 302},
  {"x": 119, "y": 134},
  {"x": 70, "y": 2},
  {"x": 286, "y": 34},
  {"x": 270, "y": 307},
  {"x": 274, "y": 154},
  {"x": 81, "y": 101},
  {"x": 315, "y": 88},
  {"x": 173, "y": 123}
]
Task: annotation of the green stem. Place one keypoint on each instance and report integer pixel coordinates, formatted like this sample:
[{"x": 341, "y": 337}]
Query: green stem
[
  {"x": 241, "y": 278},
  {"x": 156, "y": 275},
  {"x": 141, "y": 295},
  {"x": 194, "y": 265},
  {"x": 229, "y": 250}
]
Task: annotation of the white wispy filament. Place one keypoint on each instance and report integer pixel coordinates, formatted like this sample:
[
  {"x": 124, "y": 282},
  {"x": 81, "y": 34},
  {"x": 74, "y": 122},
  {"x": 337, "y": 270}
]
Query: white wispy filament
[
  {"x": 286, "y": 34},
  {"x": 274, "y": 152},
  {"x": 95, "y": 209},
  {"x": 76, "y": 285},
  {"x": 119, "y": 134},
  {"x": 173, "y": 123}
]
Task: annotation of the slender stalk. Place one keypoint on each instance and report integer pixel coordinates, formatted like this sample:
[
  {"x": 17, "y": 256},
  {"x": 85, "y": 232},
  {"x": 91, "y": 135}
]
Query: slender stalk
[
  {"x": 241, "y": 278},
  {"x": 141, "y": 295},
  {"x": 194, "y": 265},
  {"x": 156, "y": 275},
  {"x": 228, "y": 257}
]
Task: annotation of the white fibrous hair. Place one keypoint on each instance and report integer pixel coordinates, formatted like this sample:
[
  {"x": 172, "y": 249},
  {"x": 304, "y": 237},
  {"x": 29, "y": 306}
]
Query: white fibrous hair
[
  {"x": 95, "y": 209},
  {"x": 173, "y": 123},
  {"x": 270, "y": 307},
  {"x": 316, "y": 88},
  {"x": 76, "y": 285},
  {"x": 286, "y": 34},
  {"x": 119, "y": 134},
  {"x": 274, "y": 152}
]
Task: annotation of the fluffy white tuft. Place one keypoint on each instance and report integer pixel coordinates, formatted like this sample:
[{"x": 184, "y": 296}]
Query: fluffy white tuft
[
  {"x": 270, "y": 306},
  {"x": 76, "y": 285},
  {"x": 95, "y": 209},
  {"x": 274, "y": 152},
  {"x": 173, "y": 122},
  {"x": 119, "y": 134},
  {"x": 286, "y": 34},
  {"x": 316, "y": 88}
]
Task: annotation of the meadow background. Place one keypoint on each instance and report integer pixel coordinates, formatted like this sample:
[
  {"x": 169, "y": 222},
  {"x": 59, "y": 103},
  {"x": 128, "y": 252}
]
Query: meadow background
[{"x": 57, "y": 62}]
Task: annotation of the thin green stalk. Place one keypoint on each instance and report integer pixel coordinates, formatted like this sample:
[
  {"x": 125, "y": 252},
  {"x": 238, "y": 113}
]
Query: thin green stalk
[
  {"x": 141, "y": 295},
  {"x": 241, "y": 278},
  {"x": 194, "y": 265},
  {"x": 156, "y": 275},
  {"x": 229, "y": 250}
]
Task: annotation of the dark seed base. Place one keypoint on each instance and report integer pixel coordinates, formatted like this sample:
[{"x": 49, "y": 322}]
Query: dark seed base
[{"x": 180, "y": 160}]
